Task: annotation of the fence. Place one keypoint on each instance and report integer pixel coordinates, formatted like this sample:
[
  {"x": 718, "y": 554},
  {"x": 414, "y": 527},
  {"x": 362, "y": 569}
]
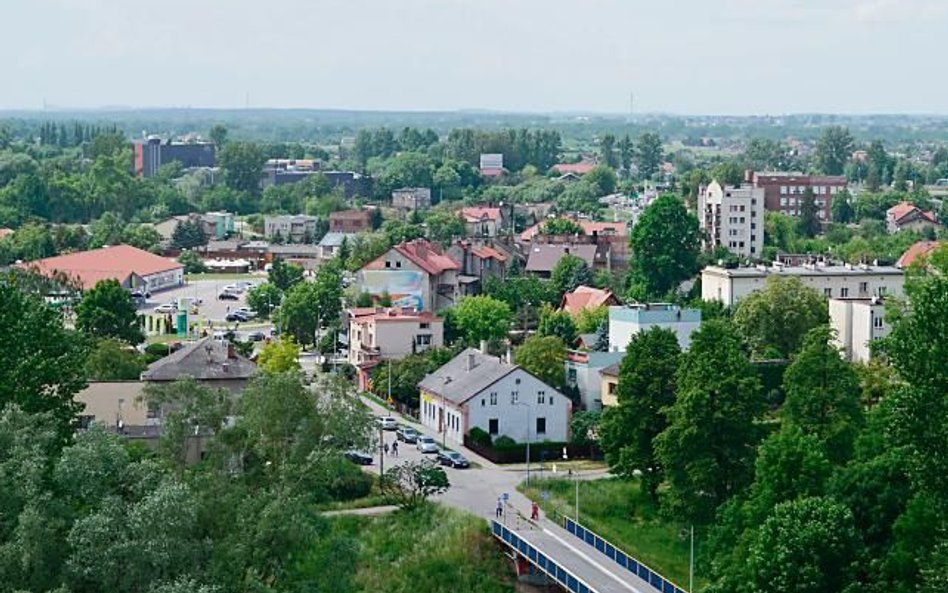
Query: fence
[
  {"x": 540, "y": 560},
  {"x": 657, "y": 581}
]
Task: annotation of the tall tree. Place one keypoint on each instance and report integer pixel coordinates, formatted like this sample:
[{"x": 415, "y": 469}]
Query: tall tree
[
  {"x": 626, "y": 153},
  {"x": 648, "y": 154},
  {"x": 842, "y": 208},
  {"x": 242, "y": 163},
  {"x": 665, "y": 245},
  {"x": 107, "y": 311},
  {"x": 482, "y": 318},
  {"x": 218, "y": 135},
  {"x": 607, "y": 151},
  {"x": 543, "y": 357},
  {"x": 570, "y": 272},
  {"x": 809, "y": 215},
  {"x": 775, "y": 319},
  {"x": 707, "y": 450},
  {"x": 833, "y": 150},
  {"x": 557, "y": 322},
  {"x": 283, "y": 275},
  {"x": 646, "y": 390}
]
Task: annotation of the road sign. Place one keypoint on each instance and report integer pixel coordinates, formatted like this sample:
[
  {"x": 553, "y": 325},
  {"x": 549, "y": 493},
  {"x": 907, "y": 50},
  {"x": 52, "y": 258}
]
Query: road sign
[
  {"x": 545, "y": 494},
  {"x": 505, "y": 497}
]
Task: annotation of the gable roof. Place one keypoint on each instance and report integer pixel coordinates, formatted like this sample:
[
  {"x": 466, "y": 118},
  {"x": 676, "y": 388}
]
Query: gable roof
[
  {"x": 487, "y": 252},
  {"x": 205, "y": 360},
  {"x": 426, "y": 256},
  {"x": 479, "y": 213},
  {"x": 916, "y": 251},
  {"x": 117, "y": 262},
  {"x": 577, "y": 168},
  {"x": 903, "y": 210},
  {"x": 589, "y": 227},
  {"x": 610, "y": 371},
  {"x": 543, "y": 257},
  {"x": 587, "y": 297},
  {"x": 457, "y": 383}
]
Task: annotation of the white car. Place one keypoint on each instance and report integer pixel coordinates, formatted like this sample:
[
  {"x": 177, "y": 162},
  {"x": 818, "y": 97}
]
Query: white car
[
  {"x": 246, "y": 311},
  {"x": 388, "y": 423},
  {"x": 234, "y": 288},
  {"x": 426, "y": 445},
  {"x": 166, "y": 308}
]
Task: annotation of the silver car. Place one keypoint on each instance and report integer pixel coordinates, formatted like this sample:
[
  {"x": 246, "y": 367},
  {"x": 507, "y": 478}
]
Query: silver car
[{"x": 426, "y": 445}]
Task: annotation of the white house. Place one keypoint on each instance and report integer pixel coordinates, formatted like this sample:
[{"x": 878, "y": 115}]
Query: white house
[
  {"x": 729, "y": 285},
  {"x": 495, "y": 395},
  {"x": 628, "y": 320},
  {"x": 583, "y": 371},
  {"x": 857, "y": 322},
  {"x": 732, "y": 217}
]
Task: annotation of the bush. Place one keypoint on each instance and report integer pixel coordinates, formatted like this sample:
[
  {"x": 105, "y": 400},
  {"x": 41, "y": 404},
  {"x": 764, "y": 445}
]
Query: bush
[
  {"x": 504, "y": 441},
  {"x": 480, "y": 436},
  {"x": 350, "y": 483}
]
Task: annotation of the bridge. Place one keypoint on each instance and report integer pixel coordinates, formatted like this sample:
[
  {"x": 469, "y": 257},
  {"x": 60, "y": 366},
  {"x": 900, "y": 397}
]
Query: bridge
[{"x": 577, "y": 559}]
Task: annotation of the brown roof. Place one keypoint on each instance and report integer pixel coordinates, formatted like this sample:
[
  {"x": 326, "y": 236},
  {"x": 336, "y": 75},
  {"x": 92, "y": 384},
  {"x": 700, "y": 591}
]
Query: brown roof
[
  {"x": 916, "y": 251},
  {"x": 423, "y": 254},
  {"x": 117, "y": 262},
  {"x": 478, "y": 213},
  {"x": 587, "y": 297},
  {"x": 544, "y": 256},
  {"x": 577, "y": 168},
  {"x": 619, "y": 229},
  {"x": 903, "y": 209}
]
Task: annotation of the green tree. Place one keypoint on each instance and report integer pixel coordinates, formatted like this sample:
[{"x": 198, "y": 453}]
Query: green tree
[
  {"x": 280, "y": 356},
  {"x": 648, "y": 154},
  {"x": 775, "y": 319},
  {"x": 805, "y": 546},
  {"x": 589, "y": 320},
  {"x": 192, "y": 262},
  {"x": 283, "y": 275},
  {"x": 482, "y": 318},
  {"x": 559, "y": 323},
  {"x": 707, "y": 450},
  {"x": 412, "y": 483},
  {"x": 242, "y": 164},
  {"x": 607, "y": 151},
  {"x": 665, "y": 244},
  {"x": 603, "y": 178},
  {"x": 218, "y": 135},
  {"x": 444, "y": 226},
  {"x": 561, "y": 226},
  {"x": 809, "y": 215},
  {"x": 833, "y": 150},
  {"x": 842, "y": 208},
  {"x": 264, "y": 298},
  {"x": 543, "y": 357},
  {"x": 823, "y": 396},
  {"x": 626, "y": 153},
  {"x": 310, "y": 306},
  {"x": 113, "y": 360},
  {"x": 570, "y": 272},
  {"x": 188, "y": 234},
  {"x": 645, "y": 391},
  {"x": 107, "y": 311}
]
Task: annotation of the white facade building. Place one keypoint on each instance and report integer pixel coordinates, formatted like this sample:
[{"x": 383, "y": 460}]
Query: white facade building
[
  {"x": 628, "y": 320},
  {"x": 732, "y": 217},
  {"x": 583, "y": 371},
  {"x": 478, "y": 390},
  {"x": 297, "y": 228},
  {"x": 847, "y": 281},
  {"x": 857, "y": 322}
]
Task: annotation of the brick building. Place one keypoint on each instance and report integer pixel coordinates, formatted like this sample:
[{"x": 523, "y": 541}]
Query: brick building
[{"x": 783, "y": 192}]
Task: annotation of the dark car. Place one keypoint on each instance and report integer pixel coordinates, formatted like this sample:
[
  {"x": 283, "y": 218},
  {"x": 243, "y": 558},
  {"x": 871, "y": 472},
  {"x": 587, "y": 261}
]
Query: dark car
[
  {"x": 359, "y": 457},
  {"x": 256, "y": 336},
  {"x": 237, "y": 316},
  {"x": 407, "y": 434},
  {"x": 453, "y": 459},
  {"x": 227, "y": 296}
]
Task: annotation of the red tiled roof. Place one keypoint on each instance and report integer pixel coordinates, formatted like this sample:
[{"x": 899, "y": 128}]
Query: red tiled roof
[
  {"x": 903, "y": 209},
  {"x": 916, "y": 251},
  {"x": 492, "y": 172},
  {"x": 486, "y": 252},
  {"x": 395, "y": 315},
  {"x": 478, "y": 213},
  {"x": 577, "y": 168},
  {"x": 589, "y": 227},
  {"x": 116, "y": 262},
  {"x": 586, "y": 297}
]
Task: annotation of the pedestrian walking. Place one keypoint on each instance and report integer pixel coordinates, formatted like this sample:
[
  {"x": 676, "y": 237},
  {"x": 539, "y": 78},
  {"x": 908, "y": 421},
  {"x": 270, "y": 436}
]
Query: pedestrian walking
[
  {"x": 534, "y": 511},
  {"x": 395, "y": 449},
  {"x": 386, "y": 448},
  {"x": 500, "y": 508}
]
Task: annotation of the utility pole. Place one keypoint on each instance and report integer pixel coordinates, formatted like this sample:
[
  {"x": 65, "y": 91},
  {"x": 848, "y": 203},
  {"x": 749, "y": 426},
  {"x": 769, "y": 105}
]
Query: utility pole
[
  {"x": 381, "y": 453},
  {"x": 691, "y": 564},
  {"x": 527, "y": 406},
  {"x": 577, "y": 497}
]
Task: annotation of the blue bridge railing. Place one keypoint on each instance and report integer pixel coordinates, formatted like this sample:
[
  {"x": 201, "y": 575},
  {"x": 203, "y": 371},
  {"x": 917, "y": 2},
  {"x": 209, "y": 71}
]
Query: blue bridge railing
[
  {"x": 556, "y": 572},
  {"x": 657, "y": 581}
]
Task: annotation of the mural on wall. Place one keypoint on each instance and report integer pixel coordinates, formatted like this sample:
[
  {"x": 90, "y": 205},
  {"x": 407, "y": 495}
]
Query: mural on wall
[{"x": 406, "y": 287}]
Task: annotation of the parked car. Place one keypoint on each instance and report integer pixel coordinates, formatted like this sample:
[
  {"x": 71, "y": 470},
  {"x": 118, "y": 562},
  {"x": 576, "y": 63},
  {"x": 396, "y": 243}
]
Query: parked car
[
  {"x": 257, "y": 336},
  {"x": 388, "y": 423},
  {"x": 227, "y": 296},
  {"x": 359, "y": 457},
  {"x": 166, "y": 308},
  {"x": 426, "y": 444},
  {"x": 247, "y": 311},
  {"x": 141, "y": 295},
  {"x": 407, "y": 434},
  {"x": 453, "y": 459},
  {"x": 237, "y": 316}
]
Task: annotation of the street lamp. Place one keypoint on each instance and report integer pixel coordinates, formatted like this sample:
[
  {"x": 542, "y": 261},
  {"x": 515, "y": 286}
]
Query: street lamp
[{"x": 527, "y": 406}]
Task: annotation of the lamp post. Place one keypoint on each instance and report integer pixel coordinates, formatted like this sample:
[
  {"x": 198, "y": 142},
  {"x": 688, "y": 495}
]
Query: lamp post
[{"x": 527, "y": 406}]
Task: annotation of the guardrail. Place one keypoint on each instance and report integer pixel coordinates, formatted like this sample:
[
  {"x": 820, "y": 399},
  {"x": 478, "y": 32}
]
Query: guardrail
[
  {"x": 657, "y": 581},
  {"x": 540, "y": 560}
]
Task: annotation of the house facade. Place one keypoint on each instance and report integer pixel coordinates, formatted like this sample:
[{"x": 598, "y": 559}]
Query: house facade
[
  {"x": 389, "y": 334},
  {"x": 481, "y": 222},
  {"x": 416, "y": 275},
  {"x": 478, "y": 390},
  {"x": 411, "y": 198},
  {"x": 730, "y": 285},
  {"x": 629, "y": 320},
  {"x": 583, "y": 371},
  {"x": 909, "y": 217},
  {"x": 297, "y": 228},
  {"x": 856, "y": 322},
  {"x": 732, "y": 217}
]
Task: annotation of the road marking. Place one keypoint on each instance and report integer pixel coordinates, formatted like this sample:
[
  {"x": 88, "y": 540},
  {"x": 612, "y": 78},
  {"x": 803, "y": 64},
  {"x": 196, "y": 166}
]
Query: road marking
[{"x": 591, "y": 561}]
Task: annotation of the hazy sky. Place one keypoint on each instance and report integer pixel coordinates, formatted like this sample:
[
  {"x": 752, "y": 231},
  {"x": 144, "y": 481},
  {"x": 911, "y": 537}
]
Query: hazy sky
[{"x": 680, "y": 56}]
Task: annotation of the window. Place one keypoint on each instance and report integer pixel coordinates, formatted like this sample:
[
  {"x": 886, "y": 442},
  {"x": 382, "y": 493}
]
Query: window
[
  {"x": 541, "y": 397},
  {"x": 612, "y": 388},
  {"x": 493, "y": 398},
  {"x": 783, "y": 201},
  {"x": 877, "y": 321},
  {"x": 514, "y": 397},
  {"x": 483, "y": 402},
  {"x": 398, "y": 264},
  {"x": 517, "y": 381},
  {"x": 753, "y": 201},
  {"x": 424, "y": 326},
  {"x": 423, "y": 339},
  {"x": 541, "y": 425},
  {"x": 863, "y": 287},
  {"x": 388, "y": 264},
  {"x": 492, "y": 426},
  {"x": 783, "y": 190},
  {"x": 742, "y": 207},
  {"x": 881, "y": 291},
  {"x": 571, "y": 376},
  {"x": 550, "y": 399},
  {"x": 828, "y": 292}
]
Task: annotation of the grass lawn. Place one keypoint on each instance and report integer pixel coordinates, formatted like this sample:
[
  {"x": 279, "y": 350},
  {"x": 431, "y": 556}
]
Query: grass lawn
[
  {"x": 430, "y": 550},
  {"x": 617, "y": 510}
]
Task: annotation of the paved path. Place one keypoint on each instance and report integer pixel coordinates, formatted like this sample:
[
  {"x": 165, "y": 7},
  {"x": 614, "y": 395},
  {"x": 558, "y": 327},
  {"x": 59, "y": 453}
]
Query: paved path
[
  {"x": 477, "y": 490},
  {"x": 365, "y": 511}
]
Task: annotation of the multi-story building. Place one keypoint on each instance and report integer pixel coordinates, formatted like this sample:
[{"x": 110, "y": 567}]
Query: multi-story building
[
  {"x": 475, "y": 389},
  {"x": 732, "y": 217},
  {"x": 297, "y": 228},
  {"x": 784, "y": 192},
  {"x": 415, "y": 275},
  {"x": 856, "y": 323},
  {"x": 350, "y": 221},
  {"x": 148, "y": 156},
  {"x": 389, "y": 334},
  {"x": 481, "y": 221},
  {"x": 844, "y": 281},
  {"x": 411, "y": 198},
  {"x": 907, "y": 216},
  {"x": 628, "y": 320},
  {"x": 352, "y": 183},
  {"x": 584, "y": 373}
]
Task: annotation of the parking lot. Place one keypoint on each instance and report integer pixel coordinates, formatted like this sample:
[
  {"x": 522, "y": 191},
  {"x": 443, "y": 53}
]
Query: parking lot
[{"x": 207, "y": 291}]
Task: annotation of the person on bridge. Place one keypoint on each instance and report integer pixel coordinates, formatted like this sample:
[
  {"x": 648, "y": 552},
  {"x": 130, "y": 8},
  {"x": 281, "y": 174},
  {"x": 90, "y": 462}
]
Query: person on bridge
[
  {"x": 500, "y": 508},
  {"x": 534, "y": 511}
]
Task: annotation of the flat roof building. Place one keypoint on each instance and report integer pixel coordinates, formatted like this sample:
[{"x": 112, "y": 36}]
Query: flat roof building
[
  {"x": 732, "y": 217},
  {"x": 857, "y": 323},
  {"x": 629, "y": 320},
  {"x": 148, "y": 156}
]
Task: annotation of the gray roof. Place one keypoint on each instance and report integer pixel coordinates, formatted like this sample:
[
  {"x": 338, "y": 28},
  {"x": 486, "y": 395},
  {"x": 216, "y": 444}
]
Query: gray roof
[
  {"x": 814, "y": 270},
  {"x": 457, "y": 384},
  {"x": 590, "y": 338},
  {"x": 335, "y": 239},
  {"x": 205, "y": 360},
  {"x": 543, "y": 257},
  {"x": 612, "y": 370},
  {"x": 295, "y": 249}
]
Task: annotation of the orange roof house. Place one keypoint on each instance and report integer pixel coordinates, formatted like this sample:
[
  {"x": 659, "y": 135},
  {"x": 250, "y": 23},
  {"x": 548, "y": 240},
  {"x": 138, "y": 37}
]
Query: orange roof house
[
  {"x": 132, "y": 267},
  {"x": 905, "y": 215},
  {"x": 587, "y": 297},
  {"x": 918, "y": 251},
  {"x": 576, "y": 168}
]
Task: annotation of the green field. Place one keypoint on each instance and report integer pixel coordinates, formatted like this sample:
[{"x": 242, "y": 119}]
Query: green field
[
  {"x": 617, "y": 510},
  {"x": 431, "y": 550}
]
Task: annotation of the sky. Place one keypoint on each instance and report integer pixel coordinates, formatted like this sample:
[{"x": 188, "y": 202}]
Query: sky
[{"x": 742, "y": 57}]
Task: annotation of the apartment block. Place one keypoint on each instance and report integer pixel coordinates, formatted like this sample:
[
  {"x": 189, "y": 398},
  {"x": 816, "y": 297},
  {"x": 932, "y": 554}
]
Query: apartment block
[
  {"x": 732, "y": 217},
  {"x": 784, "y": 192},
  {"x": 411, "y": 198},
  {"x": 857, "y": 322},
  {"x": 292, "y": 228}
]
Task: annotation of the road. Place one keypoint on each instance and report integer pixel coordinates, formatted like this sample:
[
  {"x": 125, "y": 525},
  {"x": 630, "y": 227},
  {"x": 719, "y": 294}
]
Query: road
[{"x": 477, "y": 490}]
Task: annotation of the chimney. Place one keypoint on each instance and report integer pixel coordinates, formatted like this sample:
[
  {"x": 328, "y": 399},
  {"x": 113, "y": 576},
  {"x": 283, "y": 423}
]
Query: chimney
[
  {"x": 231, "y": 352},
  {"x": 749, "y": 175},
  {"x": 509, "y": 355},
  {"x": 483, "y": 346},
  {"x": 470, "y": 362}
]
